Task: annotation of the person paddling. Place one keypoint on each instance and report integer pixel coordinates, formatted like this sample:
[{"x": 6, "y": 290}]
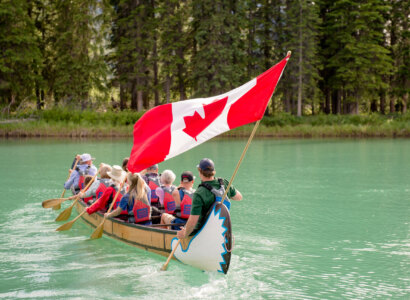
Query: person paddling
[
  {"x": 96, "y": 190},
  {"x": 76, "y": 179},
  {"x": 117, "y": 176},
  {"x": 204, "y": 197},
  {"x": 183, "y": 201},
  {"x": 136, "y": 202}
]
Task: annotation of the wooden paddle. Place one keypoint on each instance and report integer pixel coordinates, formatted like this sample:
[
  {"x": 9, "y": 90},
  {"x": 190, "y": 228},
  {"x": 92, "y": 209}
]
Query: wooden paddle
[
  {"x": 98, "y": 232},
  {"x": 65, "y": 214},
  {"x": 58, "y": 205},
  {"x": 54, "y": 202},
  {"x": 68, "y": 225},
  {"x": 165, "y": 266}
]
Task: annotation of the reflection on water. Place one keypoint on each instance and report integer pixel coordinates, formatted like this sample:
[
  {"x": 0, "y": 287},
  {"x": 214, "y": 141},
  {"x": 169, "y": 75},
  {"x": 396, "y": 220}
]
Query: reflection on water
[{"x": 319, "y": 220}]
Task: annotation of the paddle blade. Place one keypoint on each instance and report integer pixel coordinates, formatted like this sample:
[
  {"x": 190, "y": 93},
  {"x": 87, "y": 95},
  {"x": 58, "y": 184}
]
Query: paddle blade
[
  {"x": 66, "y": 226},
  {"x": 53, "y": 202},
  {"x": 98, "y": 232},
  {"x": 65, "y": 214},
  {"x": 57, "y": 207}
]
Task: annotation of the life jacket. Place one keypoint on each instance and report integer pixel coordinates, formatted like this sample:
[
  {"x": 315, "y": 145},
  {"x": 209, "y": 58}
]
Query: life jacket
[
  {"x": 142, "y": 211},
  {"x": 104, "y": 184},
  {"x": 153, "y": 183},
  {"x": 186, "y": 203},
  {"x": 117, "y": 201},
  {"x": 82, "y": 173},
  {"x": 218, "y": 193},
  {"x": 169, "y": 202}
]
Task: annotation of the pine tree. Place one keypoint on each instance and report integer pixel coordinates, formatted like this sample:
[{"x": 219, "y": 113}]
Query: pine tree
[
  {"x": 173, "y": 45},
  {"x": 302, "y": 30},
  {"x": 358, "y": 60},
  {"x": 79, "y": 52},
  {"x": 398, "y": 40},
  {"x": 217, "y": 57},
  {"x": 20, "y": 57}
]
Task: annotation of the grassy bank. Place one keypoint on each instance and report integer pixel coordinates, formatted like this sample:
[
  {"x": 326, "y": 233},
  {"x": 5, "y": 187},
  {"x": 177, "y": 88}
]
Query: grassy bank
[{"x": 68, "y": 123}]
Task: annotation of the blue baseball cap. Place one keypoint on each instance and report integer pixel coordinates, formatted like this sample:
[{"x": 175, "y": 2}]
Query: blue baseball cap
[{"x": 206, "y": 165}]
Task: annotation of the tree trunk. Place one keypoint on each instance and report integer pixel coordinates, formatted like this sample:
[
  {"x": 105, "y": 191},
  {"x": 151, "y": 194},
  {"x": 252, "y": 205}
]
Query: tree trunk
[
  {"x": 405, "y": 100},
  {"x": 168, "y": 89},
  {"x": 392, "y": 109},
  {"x": 123, "y": 95},
  {"x": 382, "y": 102},
  {"x": 327, "y": 102},
  {"x": 134, "y": 96},
  {"x": 139, "y": 100},
  {"x": 373, "y": 106},
  {"x": 299, "y": 109}
]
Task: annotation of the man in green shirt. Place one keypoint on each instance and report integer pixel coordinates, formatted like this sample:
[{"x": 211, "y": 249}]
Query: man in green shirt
[{"x": 204, "y": 198}]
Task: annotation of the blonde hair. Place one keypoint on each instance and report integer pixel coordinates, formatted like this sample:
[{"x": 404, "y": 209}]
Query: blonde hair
[
  {"x": 137, "y": 188},
  {"x": 104, "y": 171},
  {"x": 168, "y": 176}
]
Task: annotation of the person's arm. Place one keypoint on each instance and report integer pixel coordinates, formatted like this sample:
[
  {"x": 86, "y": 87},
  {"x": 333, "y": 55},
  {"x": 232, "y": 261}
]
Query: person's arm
[
  {"x": 238, "y": 196},
  {"x": 177, "y": 198},
  {"x": 233, "y": 193},
  {"x": 114, "y": 213},
  {"x": 100, "y": 203},
  {"x": 70, "y": 180},
  {"x": 189, "y": 227},
  {"x": 91, "y": 190},
  {"x": 160, "y": 193}
]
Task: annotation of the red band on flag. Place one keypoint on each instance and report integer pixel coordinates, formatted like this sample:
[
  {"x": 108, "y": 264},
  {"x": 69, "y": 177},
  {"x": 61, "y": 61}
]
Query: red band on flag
[
  {"x": 152, "y": 138},
  {"x": 251, "y": 106}
]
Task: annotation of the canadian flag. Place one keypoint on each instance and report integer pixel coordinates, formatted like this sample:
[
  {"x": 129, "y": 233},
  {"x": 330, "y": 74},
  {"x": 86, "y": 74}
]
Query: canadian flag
[{"x": 168, "y": 130}]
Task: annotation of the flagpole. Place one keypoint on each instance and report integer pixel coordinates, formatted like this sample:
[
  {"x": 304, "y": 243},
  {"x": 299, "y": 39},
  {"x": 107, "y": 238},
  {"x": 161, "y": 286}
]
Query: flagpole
[
  {"x": 244, "y": 151},
  {"x": 242, "y": 156}
]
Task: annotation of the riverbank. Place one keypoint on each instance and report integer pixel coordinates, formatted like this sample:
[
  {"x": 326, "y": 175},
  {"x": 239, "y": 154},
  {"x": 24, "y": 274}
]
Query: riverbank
[{"x": 63, "y": 123}]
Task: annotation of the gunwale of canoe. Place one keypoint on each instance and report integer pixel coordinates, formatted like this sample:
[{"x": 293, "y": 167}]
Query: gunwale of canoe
[{"x": 151, "y": 239}]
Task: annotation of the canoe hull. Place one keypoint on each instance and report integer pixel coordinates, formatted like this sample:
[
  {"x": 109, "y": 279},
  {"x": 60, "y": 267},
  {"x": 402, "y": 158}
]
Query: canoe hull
[
  {"x": 148, "y": 238},
  {"x": 209, "y": 249}
]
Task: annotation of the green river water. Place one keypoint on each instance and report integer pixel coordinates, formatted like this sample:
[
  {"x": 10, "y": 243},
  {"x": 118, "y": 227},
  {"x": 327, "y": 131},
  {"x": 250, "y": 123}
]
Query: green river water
[{"x": 320, "y": 219}]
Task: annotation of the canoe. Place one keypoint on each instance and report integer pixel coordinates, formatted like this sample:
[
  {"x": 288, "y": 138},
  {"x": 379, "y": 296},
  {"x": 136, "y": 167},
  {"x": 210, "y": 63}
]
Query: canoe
[{"x": 209, "y": 249}]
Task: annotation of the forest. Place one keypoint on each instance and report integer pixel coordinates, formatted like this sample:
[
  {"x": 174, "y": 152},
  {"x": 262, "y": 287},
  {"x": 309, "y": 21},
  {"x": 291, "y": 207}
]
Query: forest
[{"x": 348, "y": 57}]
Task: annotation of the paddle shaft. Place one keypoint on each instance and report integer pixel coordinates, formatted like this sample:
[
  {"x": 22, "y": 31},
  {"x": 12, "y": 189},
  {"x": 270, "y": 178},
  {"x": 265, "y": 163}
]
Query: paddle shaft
[
  {"x": 68, "y": 177},
  {"x": 240, "y": 160},
  {"x": 164, "y": 267},
  {"x": 98, "y": 232}
]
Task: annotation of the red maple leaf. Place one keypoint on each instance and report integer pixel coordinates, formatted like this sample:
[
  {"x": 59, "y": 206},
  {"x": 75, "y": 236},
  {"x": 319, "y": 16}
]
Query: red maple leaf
[{"x": 196, "y": 124}]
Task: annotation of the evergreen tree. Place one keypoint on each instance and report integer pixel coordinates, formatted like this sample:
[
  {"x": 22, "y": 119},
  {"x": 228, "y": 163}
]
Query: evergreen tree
[
  {"x": 79, "y": 52},
  {"x": 173, "y": 46},
  {"x": 358, "y": 60},
  {"x": 398, "y": 40},
  {"x": 20, "y": 55},
  {"x": 217, "y": 59},
  {"x": 302, "y": 31}
]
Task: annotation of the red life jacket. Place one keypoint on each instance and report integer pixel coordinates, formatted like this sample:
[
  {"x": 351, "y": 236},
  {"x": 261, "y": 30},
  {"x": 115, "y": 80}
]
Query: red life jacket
[
  {"x": 169, "y": 202},
  {"x": 153, "y": 183},
  {"x": 117, "y": 201},
  {"x": 104, "y": 184},
  {"x": 186, "y": 203},
  {"x": 142, "y": 211},
  {"x": 81, "y": 184}
]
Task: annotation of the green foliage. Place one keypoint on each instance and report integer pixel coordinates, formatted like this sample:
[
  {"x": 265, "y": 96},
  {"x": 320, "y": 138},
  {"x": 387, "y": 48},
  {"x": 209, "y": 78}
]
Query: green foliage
[
  {"x": 84, "y": 117},
  {"x": 20, "y": 56}
]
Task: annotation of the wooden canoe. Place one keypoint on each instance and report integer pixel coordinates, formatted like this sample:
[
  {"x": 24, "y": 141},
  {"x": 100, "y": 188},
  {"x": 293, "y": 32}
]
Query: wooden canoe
[{"x": 209, "y": 249}]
